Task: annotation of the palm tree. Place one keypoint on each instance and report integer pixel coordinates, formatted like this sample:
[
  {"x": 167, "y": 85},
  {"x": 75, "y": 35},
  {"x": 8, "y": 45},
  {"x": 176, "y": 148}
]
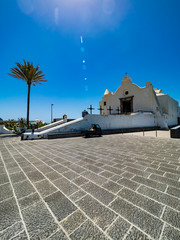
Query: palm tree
[{"x": 31, "y": 75}]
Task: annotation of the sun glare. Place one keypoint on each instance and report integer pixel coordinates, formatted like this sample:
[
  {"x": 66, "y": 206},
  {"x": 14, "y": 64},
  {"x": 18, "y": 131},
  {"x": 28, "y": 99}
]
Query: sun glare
[{"x": 76, "y": 14}]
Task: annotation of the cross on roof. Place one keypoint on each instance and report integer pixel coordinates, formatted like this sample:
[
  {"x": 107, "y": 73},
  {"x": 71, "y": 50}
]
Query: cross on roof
[
  {"x": 126, "y": 73},
  {"x": 90, "y": 108},
  {"x": 118, "y": 110},
  {"x": 110, "y": 109},
  {"x": 100, "y": 109}
]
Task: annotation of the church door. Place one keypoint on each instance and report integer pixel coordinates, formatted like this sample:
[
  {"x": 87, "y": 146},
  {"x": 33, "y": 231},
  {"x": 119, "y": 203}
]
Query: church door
[{"x": 126, "y": 105}]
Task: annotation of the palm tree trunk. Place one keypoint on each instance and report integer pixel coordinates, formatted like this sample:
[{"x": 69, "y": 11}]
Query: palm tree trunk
[{"x": 28, "y": 100}]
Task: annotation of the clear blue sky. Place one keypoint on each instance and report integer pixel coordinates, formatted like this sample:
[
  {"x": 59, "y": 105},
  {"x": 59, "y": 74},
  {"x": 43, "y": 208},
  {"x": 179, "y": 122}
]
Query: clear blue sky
[{"x": 140, "y": 37}]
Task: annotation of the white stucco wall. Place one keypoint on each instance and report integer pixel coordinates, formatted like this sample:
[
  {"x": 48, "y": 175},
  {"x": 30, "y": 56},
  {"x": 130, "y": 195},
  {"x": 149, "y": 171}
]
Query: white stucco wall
[
  {"x": 135, "y": 120},
  {"x": 170, "y": 108},
  {"x": 4, "y": 130}
]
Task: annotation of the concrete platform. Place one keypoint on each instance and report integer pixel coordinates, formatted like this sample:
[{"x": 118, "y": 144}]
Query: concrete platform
[{"x": 110, "y": 187}]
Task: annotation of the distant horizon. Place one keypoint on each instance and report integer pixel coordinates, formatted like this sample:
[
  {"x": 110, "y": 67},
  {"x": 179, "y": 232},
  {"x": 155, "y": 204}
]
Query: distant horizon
[{"x": 84, "y": 47}]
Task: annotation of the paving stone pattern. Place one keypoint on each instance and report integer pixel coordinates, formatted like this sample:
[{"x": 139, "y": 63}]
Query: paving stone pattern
[{"x": 113, "y": 187}]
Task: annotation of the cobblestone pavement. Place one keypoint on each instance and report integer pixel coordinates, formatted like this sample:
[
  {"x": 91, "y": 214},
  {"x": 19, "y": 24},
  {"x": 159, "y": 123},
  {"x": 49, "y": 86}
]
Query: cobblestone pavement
[{"x": 113, "y": 187}]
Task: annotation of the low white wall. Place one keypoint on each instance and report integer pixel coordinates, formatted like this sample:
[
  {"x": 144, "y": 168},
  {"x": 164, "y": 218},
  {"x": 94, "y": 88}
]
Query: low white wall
[
  {"x": 123, "y": 121},
  {"x": 134, "y": 120},
  {"x": 4, "y": 130}
]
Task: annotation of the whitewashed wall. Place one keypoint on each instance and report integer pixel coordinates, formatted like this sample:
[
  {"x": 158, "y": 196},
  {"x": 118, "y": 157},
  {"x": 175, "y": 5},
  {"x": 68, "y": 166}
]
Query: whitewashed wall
[
  {"x": 170, "y": 108},
  {"x": 134, "y": 120},
  {"x": 4, "y": 130}
]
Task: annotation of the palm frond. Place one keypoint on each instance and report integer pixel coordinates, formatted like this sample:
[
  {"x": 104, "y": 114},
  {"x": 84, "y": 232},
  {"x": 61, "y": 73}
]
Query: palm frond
[{"x": 28, "y": 73}]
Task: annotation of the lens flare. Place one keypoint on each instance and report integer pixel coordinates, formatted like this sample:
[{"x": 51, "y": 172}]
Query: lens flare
[{"x": 80, "y": 16}]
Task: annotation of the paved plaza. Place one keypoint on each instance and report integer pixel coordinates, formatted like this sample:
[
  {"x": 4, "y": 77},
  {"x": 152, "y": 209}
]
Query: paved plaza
[{"x": 111, "y": 187}]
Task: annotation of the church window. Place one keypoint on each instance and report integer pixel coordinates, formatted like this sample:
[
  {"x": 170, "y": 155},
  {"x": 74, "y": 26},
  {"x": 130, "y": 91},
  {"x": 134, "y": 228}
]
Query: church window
[
  {"x": 126, "y": 92},
  {"x": 104, "y": 103}
]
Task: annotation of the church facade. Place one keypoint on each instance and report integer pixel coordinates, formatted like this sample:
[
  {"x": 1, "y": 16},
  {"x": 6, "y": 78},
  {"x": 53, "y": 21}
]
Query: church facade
[{"x": 130, "y": 98}]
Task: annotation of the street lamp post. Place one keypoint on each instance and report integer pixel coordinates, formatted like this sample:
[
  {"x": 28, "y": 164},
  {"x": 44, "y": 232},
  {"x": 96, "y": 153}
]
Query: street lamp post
[{"x": 52, "y": 112}]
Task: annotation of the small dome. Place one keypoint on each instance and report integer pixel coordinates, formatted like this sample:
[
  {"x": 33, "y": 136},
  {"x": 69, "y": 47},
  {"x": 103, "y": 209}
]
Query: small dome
[
  {"x": 106, "y": 92},
  {"x": 126, "y": 79}
]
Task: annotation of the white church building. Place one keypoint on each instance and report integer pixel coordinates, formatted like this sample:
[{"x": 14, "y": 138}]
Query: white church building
[
  {"x": 130, "y": 107},
  {"x": 130, "y": 98}
]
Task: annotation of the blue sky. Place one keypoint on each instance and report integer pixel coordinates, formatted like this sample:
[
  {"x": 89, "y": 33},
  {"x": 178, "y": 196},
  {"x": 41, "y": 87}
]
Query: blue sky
[{"x": 140, "y": 37}]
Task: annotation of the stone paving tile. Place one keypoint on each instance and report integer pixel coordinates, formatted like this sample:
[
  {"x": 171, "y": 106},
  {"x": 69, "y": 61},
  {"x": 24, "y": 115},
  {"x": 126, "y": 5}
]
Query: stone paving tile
[
  {"x": 165, "y": 180},
  {"x": 2, "y": 170},
  {"x": 28, "y": 200},
  {"x": 137, "y": 172},
  {"x": 29, "y": 168},
  {"x": 88, "y": 231},
  {"x": 106, "y": 174},
  {"x": 66, "y": 186},
  {"x": 152, "y": 170},
  {"x": 70, "y": 175},
  {"x": 73, "y": 221},
  {"x": 127, "y": 175},
  {"x": 44, "y": 169},
  {"x": 59, "y": 168},
  {"x": 94, "y": 177},
  {"x": 53, "y": 175},
  {"x": 135, "y": 234},
  {"x": 80, "y": 181},
  {"x": 99, "y": 214},
  {"x": 173, "y": 191},
  {"x": 12, "y": 231},
  {"x": 135, "y": 166},
  {"x": 170, "y": 170},
  {"x": 113, "y": 169},
  {"x": 112, "y": 186},
  {"x": 39, "y": 222},
  {"x": 138, "y": 217},
  {"x": 168, "y": 165},
  {"x": 17, "y": 177},
  {"x": 150, "y": 183},
  {"x": 3, "y": 178},
  {"x": 116, "y": 178},
  {"x": 60, "y": 205},
  {"x": 173, "y": 176},
  {"x": 160, "y": 197},
  {"x": 9, "y": 213},
  {"x": 23, "y": 188},
  {"x": 51, "y": 163},
  {"x": 172, "y": 217},
  {"x": 118, "y": 229},
  {"x": 99, "y": 193},
  {"x": 92, "y": 168},
  {"x": 35, "y": 176},
  {"x": 45, "y": 188},
  {"x": 21, "y": 236},
  {"x": 141, "y": 201},
  {"x": 76, "y": 168},
  {"x": 59, "y": 235},
  {"x": 5, "y": 191},
  {"x": 11, "y": 165},
  {"x": 77, "y": 195},
  {"x": 128, "y": 183},
  {"x": 14, "y": 170},
  {"x": 170, "y": 233}
]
